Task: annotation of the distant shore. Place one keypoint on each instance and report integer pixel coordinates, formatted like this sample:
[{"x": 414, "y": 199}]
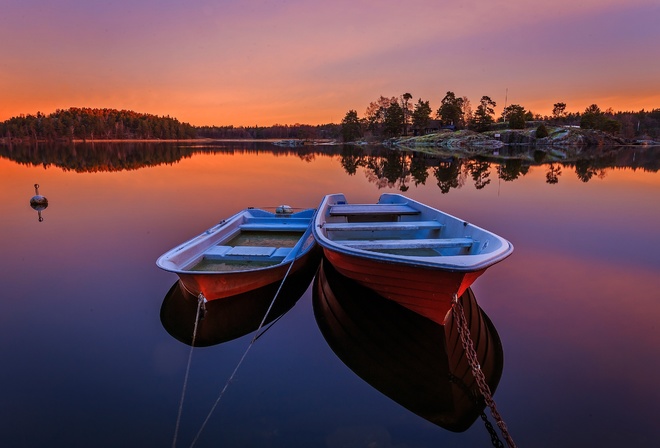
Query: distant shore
[
  {"x": 133, "y": 140},
  {"x": 159, "y": 140},
  {"x": 570, "y": 139}
]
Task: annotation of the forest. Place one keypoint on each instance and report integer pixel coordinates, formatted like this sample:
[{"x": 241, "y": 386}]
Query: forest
[
  {"x": 391, "y": 117},
  {"x": 387, "y": 117},
  {"x": 278, "y": 131},
  {"x": 110, "y": 124},
  {"x": 94, "y": 124}
]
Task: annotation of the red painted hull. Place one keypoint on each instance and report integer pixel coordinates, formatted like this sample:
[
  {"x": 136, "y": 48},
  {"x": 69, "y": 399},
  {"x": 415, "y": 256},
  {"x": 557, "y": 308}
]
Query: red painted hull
[
  {"x": 426, "y": 291},
  {"x": 227, "y": 284},
  {"x": 231, "y": 317}
]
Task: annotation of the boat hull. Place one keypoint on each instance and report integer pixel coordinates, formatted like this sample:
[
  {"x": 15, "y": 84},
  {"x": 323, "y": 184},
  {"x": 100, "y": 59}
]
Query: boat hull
[
  {"x": 234, "y": 316},
  {"x": 245, "y": 252},
  {"x": 426, "y": 291},
  {"x": 216, "y": 286}
]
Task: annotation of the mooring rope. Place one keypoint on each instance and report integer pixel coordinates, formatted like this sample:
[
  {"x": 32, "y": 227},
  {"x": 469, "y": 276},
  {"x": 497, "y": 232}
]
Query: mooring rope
[
  {"x": 254, "y": 338},
  {"x": 200, "y": 301},
  {"x": 464, "y": 331}
]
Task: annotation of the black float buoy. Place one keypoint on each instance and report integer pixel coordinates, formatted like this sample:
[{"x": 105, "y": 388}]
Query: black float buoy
[{"x": 38, "y": 202}]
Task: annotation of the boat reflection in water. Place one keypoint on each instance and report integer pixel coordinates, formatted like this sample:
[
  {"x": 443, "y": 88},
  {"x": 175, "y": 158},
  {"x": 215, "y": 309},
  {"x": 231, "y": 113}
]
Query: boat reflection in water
[
  {"x": 231, "y": 317},
  {"x": 414, "y": 361}
]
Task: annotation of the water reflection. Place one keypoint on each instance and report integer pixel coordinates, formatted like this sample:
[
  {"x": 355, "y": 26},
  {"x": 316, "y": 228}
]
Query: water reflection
[
  {"x": 93, "y": 157},
  {"x": 385, "y": 167},
  {"x": 90, "y": 364},
  {"x": 232, "y": 317},
  {"x": 417, "y": 363},
  {"x": 388, "y": 168}
]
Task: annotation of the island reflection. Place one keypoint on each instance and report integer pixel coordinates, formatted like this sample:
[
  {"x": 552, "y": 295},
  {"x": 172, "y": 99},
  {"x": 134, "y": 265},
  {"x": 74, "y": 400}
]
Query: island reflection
[{"x": 384, "y": 167}]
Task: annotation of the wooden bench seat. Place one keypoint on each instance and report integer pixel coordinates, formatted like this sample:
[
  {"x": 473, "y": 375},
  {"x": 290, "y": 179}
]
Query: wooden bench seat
[
  {"x": 372, "y": 209},
  {"x": 282, "y": 252},
  {"x": 251, "y": 251},
  {"x": 438, "y": 243},
  {"x": 217, "y": 251},
  {"x": 275, "y": 227},
  {"x": 374, "y": 226},
  {"x": 246, "y": 252}
]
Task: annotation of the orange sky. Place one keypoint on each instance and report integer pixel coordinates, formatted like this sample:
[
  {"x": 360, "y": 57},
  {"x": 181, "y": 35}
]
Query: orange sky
[{"x": 267, "y": 62}]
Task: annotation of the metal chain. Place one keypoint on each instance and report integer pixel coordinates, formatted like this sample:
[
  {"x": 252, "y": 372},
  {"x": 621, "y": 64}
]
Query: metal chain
[
  {"x": 478, "y": 401},
  {"x": 494, "y": 438},
  {"x": 463, "y": 330}
]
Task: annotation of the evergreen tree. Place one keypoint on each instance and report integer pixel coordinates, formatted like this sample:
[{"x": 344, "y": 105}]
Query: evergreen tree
[
  {"x": 451, "y": 110},
  {"x": 483, "y": 116},
  {"x": 592, "y": 118},
  {"x": 351, "y": 129},
  {"x": 541, "y": 131},
  {"x": 421, "y": 116},
  {"x": 394, "y": 120},
  {"x": 516, "y": 116}
]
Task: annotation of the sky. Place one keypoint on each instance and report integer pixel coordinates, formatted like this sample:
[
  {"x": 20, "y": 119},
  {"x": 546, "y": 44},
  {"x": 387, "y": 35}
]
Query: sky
[{"x": 249, "y": 62}]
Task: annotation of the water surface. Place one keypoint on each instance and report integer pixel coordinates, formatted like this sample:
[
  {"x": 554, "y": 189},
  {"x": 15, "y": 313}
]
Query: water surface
[{"x": 87, "y": 360}]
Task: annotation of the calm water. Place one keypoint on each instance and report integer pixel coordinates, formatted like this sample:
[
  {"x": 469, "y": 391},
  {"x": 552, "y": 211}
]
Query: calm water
[{"x": 87, "y": 361}]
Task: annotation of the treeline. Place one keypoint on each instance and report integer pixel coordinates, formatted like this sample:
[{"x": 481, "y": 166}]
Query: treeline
[
  {"x": 112, "y": 124},
  {"x": 94, "y": 124},
  {"x": 278, "y": 131},
  {"x": 642, "y": 125},
  {"x": 386, "y": 117},
  {"x": 389, "y": 117}
]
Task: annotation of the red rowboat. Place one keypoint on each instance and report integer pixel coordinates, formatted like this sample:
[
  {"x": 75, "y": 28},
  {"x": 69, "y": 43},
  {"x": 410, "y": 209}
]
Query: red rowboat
[
  {"x": 406, "y": 251},
  {"x": 250, "y": 250}
]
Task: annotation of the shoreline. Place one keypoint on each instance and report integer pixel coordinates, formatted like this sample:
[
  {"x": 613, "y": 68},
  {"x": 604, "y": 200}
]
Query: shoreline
[
  {"x": 18, "y": 141},
  {"x": 453, "y": 141},
  {"x": 163, "y": 140}
]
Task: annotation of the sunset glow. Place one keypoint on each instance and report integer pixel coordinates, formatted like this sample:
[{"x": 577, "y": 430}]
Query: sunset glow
[{"x": 262, "y": 63}]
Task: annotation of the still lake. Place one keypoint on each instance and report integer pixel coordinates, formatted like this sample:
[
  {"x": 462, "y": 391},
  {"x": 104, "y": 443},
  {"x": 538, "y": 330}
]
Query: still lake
[{"x": 87, "y": 360}]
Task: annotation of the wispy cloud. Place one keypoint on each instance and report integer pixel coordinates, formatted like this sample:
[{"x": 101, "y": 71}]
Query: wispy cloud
[{"x": 247, "y": 62}]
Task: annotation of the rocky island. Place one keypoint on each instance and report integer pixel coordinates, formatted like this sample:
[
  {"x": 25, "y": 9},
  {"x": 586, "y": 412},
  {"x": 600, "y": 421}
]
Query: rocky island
[{"x": 561, "y": 142}]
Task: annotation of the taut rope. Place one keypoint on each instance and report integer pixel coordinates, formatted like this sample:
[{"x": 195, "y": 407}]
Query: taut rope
[
  {"x": 200, "y": 301},
  {"x": 254, "y": 338}
]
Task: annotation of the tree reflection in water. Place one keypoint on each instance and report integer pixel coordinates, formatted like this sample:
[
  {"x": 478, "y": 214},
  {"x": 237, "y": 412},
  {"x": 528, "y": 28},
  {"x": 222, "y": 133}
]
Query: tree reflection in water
[
  {"x": 383, "y": 166},
  {"x": 448, "y": 175},
  {"x": 393, "y": 168}
]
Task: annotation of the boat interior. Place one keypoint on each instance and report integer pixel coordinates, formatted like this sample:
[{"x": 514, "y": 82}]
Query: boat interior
[
  {"x": 248, "y": 242},
  {"x": 395, "y": 228}
]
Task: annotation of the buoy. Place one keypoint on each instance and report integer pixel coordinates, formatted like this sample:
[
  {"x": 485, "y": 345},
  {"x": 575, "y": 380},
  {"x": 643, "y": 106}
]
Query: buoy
[{"x": 38, "y": 202}]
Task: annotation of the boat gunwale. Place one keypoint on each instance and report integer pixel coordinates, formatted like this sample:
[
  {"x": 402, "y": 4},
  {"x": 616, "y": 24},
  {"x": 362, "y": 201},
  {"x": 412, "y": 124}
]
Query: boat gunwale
[
  {"x": 454, "y": 263},
  {"x": 300, "y": 249}
]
